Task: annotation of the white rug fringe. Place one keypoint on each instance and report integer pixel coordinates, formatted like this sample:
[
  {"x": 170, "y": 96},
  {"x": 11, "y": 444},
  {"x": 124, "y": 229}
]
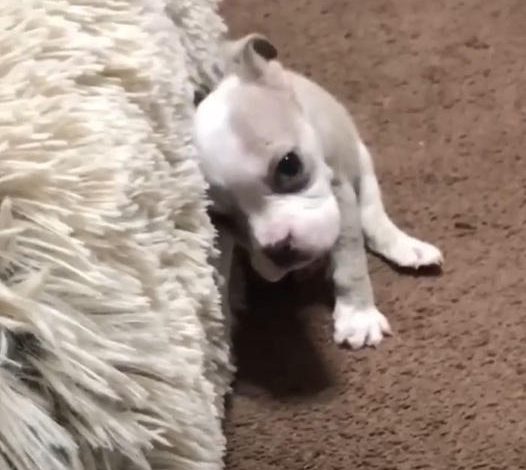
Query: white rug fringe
[{"x": 112, "y": 352}]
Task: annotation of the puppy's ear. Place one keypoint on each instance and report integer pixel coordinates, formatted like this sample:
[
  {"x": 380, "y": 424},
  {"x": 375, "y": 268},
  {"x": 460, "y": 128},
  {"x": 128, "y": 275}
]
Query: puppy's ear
[{"x": 250, "y": 56}]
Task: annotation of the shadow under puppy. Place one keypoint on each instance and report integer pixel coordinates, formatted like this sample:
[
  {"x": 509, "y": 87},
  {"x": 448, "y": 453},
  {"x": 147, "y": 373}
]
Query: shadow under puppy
[{"x": 291, "y": 182}]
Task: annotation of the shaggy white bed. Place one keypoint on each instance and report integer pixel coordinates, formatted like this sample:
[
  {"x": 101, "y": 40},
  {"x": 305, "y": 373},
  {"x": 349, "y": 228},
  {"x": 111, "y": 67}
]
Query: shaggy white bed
[{"x": 112, "y": 353}]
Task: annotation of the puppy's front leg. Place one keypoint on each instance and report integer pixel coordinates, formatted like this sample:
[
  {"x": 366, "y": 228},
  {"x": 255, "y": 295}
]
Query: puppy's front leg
[{"x": 357, "y": 321}]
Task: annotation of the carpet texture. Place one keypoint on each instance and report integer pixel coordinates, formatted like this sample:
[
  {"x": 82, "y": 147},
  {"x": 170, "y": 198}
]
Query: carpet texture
[
  {"x": 112, "y": 353},
  {"x": 439, "y": 93}
]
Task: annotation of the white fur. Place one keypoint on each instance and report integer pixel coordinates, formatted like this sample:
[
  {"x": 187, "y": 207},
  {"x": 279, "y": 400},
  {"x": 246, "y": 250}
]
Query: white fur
[
  {"x": 359, "y": 327},
  {"x": 383, "y": 236},
  {"x": 261, "y": 111},
  {"x": 232, "y": 162},
  {"x": 112, "y": 350}
]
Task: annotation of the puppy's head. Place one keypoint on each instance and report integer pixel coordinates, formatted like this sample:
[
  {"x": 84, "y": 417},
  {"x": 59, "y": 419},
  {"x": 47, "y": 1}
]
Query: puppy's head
[{"x": 264, "y": 163}]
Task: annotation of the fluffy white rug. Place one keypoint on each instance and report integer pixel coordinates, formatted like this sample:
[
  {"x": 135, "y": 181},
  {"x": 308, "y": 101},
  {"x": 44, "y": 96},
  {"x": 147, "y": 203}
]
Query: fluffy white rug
[{"x": 112, "y": 353}]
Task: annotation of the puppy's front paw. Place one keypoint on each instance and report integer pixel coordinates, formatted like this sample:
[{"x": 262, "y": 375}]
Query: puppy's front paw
[
  {"x": 409, "y": 252},
  {"x": 359, "y": 327}
]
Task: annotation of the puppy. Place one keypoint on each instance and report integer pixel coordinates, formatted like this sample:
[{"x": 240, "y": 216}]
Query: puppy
[{"x": 291, "y": 181}]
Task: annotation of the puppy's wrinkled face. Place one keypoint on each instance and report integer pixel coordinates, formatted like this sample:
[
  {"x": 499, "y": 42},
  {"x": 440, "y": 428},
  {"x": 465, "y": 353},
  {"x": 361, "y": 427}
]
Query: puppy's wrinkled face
[{"x": 265, "y": 166}]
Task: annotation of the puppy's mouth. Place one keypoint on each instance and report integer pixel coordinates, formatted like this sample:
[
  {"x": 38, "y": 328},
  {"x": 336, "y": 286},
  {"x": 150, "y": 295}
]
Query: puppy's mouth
[
  {"x": 271, "y": 263},
  {"x": 288, "y": 258},
  {"x": 277, "y": 269}
]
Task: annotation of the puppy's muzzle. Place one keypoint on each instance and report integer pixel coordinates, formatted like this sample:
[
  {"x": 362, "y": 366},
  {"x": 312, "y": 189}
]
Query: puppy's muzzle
[{"x": 284, "y": 255}]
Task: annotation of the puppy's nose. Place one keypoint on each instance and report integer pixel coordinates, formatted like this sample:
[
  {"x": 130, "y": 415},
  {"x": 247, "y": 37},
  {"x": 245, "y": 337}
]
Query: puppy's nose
[{"x": 283, "y": 254}]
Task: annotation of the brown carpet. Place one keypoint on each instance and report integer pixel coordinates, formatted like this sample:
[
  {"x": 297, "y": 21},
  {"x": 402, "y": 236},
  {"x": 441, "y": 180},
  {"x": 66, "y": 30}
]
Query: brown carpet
[{"x": 438, "y": 89}]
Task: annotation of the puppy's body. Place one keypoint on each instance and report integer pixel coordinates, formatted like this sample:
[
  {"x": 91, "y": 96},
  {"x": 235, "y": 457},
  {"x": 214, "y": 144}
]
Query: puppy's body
[{"x": 251, "y": 133}]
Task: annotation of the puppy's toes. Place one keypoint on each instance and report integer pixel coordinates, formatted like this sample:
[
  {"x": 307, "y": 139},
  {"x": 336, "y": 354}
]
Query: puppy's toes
[
  {"x": 359, "y": 327},
  {"x": 409, "y": 252}
]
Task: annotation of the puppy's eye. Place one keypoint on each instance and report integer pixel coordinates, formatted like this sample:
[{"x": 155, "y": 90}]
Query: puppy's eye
[
  {"x": 289, "y": 166},
  {"x": 289, "y": 174}
]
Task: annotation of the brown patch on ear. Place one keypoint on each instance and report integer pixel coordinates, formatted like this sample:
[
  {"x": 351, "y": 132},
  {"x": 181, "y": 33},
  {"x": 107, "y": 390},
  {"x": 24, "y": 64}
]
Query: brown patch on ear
[
  {"x": 251, "y": 57},
  {"x": 264, "y": 48}
]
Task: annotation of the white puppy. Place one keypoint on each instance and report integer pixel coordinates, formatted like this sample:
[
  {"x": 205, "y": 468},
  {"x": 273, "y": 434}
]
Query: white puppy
[{"x": 291, "y": 181}]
